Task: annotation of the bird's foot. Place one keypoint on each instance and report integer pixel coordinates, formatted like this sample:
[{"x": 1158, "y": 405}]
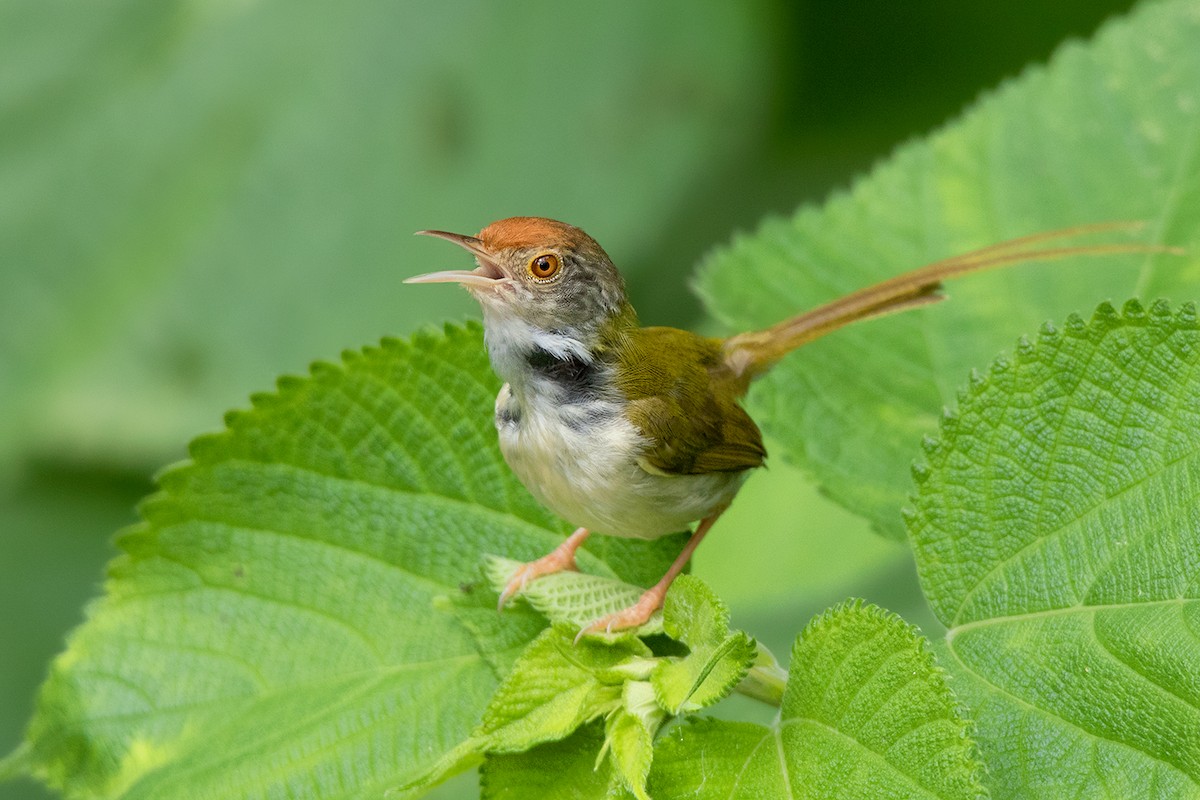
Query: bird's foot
[
  {"x": 652, "y": 599},
  {"x": 559, "y": 559},
  {"x": 546, "y": 565},
  {"x": 634, "y": 616}
]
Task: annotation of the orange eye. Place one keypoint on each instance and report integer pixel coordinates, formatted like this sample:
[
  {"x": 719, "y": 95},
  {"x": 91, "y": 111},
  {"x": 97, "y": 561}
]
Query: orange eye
[{"x": 545, "y": 266}]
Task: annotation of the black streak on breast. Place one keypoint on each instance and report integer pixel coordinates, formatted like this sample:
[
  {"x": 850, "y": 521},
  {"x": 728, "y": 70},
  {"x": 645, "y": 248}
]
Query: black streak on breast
[{"x": 579, "y": 379}]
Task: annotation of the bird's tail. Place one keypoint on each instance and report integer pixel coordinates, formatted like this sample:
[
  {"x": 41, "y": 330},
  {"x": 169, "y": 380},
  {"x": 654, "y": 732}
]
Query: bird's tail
[{"x": 753, "y": 353}]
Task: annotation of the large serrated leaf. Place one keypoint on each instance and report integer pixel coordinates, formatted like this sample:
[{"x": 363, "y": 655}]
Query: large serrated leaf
[
  {"x": 1108, "y": 131},
  {"x": 298, "y": 607},
  {"x": 866, "y": 713},
  {"x": 1056, "y": 535}
]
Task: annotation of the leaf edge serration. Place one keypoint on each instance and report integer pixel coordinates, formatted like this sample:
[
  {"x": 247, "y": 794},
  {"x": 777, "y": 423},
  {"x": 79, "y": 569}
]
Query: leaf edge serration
[
  {"x": 288, "y": 387},
  {"x": 959, "y": 713},
  {"x": 136, "y": 541},
  {"x": 1105, "y": 319}
]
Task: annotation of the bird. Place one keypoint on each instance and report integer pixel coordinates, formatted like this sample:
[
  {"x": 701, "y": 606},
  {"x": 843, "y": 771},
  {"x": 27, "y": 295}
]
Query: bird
[{"x": 639, "y": 431}]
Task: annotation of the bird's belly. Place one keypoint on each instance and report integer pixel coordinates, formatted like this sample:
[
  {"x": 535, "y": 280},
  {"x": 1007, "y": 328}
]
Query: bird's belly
[{"x": 581, "y": 461}]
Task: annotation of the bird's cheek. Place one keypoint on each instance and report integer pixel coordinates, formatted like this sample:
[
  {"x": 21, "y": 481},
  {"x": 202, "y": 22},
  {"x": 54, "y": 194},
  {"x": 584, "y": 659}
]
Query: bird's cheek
[{"x": 490, "y": 294}]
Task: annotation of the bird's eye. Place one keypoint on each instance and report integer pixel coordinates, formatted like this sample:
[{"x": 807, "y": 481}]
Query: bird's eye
[{"x": 544, "y": 267}]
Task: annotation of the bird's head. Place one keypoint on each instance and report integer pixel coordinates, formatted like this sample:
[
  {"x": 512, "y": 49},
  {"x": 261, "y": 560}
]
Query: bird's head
[{"x": 548, "y": 274}]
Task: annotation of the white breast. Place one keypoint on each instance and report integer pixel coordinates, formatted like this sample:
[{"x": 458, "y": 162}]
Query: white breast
[{"x": 581, "y": 461}]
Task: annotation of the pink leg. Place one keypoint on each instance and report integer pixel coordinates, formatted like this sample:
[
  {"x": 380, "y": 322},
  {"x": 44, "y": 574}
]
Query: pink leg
[
  {"x": 652, "y": 599},
  {"x": 557, "y": 560}
]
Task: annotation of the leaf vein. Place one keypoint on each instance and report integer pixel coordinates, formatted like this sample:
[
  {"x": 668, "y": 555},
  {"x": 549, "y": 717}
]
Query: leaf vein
[{"x": 1055, "y": 717}]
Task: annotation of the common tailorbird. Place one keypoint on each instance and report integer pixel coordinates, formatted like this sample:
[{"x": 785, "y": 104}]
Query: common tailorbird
[{"x": 637, "y": 431}]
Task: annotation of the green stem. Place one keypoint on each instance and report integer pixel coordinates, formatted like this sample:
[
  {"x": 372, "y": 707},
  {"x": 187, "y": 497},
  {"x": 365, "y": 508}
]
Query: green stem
[{"x": 765, "y": 680}]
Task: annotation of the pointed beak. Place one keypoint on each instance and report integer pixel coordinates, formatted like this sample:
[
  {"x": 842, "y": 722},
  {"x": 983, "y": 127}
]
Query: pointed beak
[{"x": 488, "y": 274}]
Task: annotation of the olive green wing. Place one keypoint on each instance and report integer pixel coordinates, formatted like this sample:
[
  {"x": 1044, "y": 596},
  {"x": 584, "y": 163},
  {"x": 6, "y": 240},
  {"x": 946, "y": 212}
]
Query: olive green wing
[
  {"x": 683, "y": 398},
  {"x": 693, "y": 444}
]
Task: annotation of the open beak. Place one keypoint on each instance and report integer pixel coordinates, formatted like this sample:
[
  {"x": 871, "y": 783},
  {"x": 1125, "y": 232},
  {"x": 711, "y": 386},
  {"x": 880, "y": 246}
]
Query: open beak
[{"x": 487, "y": 274}]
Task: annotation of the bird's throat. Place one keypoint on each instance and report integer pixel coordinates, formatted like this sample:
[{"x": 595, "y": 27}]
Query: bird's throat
[
  {"x": 523, "y": 353},
  {"x": 520, "y": 351}
]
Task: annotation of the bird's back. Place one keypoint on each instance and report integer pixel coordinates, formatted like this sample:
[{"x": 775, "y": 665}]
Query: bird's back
[{"x": 684, "y": 398}]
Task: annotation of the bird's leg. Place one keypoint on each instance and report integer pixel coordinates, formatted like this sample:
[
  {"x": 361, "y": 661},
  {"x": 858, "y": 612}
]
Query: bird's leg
[
  {"x": 652, "y": 599},
  {"x": 559, "y": 559}
]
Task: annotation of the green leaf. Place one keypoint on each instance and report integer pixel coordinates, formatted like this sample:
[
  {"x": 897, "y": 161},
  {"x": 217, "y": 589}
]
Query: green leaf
[
  {"x": 555, "y": 687},
  {"x": 1055, "y": 534},
  {"x": 242, "y": 192},
  {"x": 1107, "y": 131},
  {"x": 577, "y": 599},
  {"x": 499, "y": 637},
  {"x": 717, "y": 659},
  {"x": 563, "y": 770},
  {"x": 866, "y": 713},
  {"x": 300, "y": 606},
  {"x": 629, "y": 736},
  {"x": 542, "y": 709},
  {"x": 55, "y": 527},
  {"x": 712, "y": 758}
]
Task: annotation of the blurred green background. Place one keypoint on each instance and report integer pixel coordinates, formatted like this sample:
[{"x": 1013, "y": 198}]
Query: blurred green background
[{"x": 198, "y": 196}]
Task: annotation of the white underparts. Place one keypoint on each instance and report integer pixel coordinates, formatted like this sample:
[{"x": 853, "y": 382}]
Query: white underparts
[
  {"x": 583, "y": 461},
  {"x": 563, "y": 431}
]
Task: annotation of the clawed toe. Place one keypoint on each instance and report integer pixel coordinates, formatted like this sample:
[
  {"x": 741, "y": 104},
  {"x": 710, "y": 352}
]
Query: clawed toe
[
  {"x": 559, "y": 559},
  {"x": 635, "y": 616},
  {"x": 515, "y": 585}
]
